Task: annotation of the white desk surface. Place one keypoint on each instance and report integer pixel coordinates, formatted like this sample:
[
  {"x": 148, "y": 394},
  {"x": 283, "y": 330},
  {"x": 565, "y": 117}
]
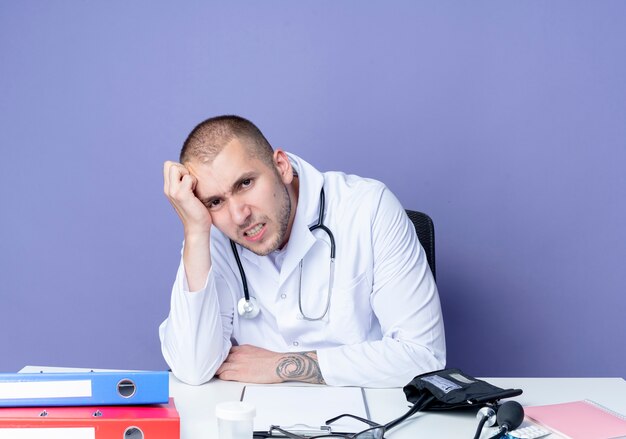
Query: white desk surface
[{"x": 196, "y": 404}]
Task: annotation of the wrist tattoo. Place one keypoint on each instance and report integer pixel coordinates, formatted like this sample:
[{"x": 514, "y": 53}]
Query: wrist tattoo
[{"x": 301, "y": 366}]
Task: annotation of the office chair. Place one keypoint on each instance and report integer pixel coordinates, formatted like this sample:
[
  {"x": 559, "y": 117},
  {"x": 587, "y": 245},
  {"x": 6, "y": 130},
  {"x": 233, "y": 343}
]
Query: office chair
[{"x": 425, "y": 230}]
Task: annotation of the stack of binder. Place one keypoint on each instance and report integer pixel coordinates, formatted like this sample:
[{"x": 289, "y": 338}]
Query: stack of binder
[{"x": 87, "y": 405}]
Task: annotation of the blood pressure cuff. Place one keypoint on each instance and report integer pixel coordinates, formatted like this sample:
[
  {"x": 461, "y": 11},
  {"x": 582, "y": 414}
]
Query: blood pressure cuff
[{"x": 450, "y": 389}]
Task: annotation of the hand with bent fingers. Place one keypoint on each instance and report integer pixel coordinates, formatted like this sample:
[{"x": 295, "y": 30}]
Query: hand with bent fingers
[
  {"x": 252, "y": 364},
  {"x": 179, "y": 186}
]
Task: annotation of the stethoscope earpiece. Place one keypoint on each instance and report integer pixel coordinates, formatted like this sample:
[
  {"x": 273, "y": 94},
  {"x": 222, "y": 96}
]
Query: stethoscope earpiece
[{"x": 248, "y": 309}]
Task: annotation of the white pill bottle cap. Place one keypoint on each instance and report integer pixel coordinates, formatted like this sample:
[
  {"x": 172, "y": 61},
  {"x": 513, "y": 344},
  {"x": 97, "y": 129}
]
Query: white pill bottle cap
[{"x": 235, "y": 411}]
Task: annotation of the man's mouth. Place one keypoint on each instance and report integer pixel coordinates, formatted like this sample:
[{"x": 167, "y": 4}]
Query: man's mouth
[{"x": 255, "y": 233}]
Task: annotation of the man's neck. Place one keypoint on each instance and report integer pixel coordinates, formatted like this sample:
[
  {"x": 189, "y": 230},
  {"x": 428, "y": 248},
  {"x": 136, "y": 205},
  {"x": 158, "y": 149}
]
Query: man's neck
[{"x": 293, "y": 189}]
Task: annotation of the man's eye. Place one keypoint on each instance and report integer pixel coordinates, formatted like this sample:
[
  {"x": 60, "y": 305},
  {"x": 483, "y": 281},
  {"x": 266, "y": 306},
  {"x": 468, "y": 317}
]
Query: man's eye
[
  {"x": 247, "y": 182},
  {"x": 214, "y": 203}
]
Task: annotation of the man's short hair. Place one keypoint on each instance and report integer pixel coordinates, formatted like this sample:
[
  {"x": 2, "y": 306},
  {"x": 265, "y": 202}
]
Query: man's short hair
[{"x": 209, "y": 137}]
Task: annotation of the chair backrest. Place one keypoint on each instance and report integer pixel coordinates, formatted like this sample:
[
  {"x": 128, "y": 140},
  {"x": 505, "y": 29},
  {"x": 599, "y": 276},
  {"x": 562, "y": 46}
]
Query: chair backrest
[{"x": 425, "y": 230}]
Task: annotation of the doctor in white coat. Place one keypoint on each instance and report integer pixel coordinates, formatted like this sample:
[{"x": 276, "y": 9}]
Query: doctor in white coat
[{"x": 373, "y": 321}]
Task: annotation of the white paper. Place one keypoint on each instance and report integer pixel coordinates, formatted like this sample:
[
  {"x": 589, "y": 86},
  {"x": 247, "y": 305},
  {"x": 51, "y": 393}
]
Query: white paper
[
  {"x": 311, "y": 406},
  {"x": 48, "y": 433},
  {"x": 53, "y": 369},
  {"x": 45, "y": 389}
]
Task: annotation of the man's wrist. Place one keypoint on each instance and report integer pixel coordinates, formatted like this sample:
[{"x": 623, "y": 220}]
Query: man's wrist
[
  {"x": 197, "y": 260},
  {"x": 197, "y": 236},
  {"x": 300, "y": 366}
]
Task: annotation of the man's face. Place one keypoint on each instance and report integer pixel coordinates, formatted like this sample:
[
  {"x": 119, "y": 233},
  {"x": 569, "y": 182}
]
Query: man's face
[{"x": 247, "y": 199}]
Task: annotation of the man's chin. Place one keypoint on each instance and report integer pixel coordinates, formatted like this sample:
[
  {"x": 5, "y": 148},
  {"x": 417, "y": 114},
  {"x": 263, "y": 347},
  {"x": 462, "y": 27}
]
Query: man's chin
[{"x": 258, "y": 248}]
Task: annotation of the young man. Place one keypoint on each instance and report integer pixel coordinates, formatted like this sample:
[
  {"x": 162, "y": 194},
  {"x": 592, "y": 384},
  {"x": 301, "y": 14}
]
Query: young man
[{"x": 371, "y": 318}]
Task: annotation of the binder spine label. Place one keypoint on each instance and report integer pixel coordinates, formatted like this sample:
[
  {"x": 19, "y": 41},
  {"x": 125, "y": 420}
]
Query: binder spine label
[
  {"x": 48, "y": 433},
  {"x": 45, "y": 389}
]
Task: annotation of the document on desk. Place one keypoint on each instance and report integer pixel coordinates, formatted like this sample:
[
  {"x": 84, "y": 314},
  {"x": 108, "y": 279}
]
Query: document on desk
[
  {"x": 306, "y": 408},
  {"x": 579, "y": 420}
]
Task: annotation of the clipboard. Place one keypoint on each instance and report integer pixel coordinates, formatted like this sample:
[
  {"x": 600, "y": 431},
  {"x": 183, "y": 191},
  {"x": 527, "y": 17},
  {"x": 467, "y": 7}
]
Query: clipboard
[{"x": 304, "y": 409}]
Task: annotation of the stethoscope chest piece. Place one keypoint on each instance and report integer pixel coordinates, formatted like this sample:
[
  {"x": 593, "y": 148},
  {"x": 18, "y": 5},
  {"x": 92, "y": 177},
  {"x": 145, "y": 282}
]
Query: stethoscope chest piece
[{"x": 248, "y": 309}]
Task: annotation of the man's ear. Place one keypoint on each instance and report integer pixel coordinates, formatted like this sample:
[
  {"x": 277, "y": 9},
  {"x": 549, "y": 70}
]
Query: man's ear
[{"x": 283, "y": 166}]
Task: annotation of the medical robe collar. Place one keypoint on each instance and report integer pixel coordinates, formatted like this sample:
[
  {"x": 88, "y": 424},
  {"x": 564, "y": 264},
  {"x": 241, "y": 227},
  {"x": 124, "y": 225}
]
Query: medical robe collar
[{"x": 301, "y": 239}]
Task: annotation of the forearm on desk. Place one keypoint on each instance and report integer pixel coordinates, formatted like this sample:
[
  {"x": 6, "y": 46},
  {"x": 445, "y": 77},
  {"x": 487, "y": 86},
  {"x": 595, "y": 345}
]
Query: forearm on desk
[
  {"x": 378, "y": 364},
  {"x": 195, "y": 337},
  {"x": 301, "y": 366}
]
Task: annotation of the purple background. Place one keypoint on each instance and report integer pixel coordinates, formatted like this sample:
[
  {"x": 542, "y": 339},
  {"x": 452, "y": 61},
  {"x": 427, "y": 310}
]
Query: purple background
[{"x": 505, "y": 121}]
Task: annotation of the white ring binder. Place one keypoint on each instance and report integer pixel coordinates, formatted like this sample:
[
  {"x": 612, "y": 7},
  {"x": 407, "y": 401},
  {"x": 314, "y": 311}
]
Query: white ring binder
[{"x": 605, "y": 409}]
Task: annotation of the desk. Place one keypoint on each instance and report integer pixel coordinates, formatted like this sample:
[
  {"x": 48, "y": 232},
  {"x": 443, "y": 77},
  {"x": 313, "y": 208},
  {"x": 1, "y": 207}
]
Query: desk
[{"x": 196, "y": 404}]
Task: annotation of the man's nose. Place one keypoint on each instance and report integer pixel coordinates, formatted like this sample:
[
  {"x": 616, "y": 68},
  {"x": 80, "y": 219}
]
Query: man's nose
[{"x": 239, "y": 211}]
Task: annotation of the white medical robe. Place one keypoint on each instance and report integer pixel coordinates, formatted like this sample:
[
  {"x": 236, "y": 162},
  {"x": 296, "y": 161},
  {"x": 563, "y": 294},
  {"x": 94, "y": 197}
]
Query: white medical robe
[{"x": 384, "y": 325}]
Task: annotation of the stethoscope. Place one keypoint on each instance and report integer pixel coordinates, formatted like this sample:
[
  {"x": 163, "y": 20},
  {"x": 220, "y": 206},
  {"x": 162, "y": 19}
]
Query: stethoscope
[{"x": 248, "y": 308}]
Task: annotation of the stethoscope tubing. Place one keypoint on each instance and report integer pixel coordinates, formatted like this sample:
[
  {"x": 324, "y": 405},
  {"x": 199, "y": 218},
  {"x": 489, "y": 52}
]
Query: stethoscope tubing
[
  {"x": 320, "y": 224},
  {"x": 249, "y": 307}
]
